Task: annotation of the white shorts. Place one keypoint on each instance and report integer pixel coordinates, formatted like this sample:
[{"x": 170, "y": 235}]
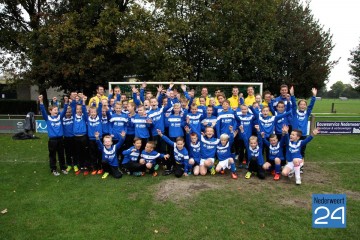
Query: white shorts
[
  {"x": 202, "y": 161},
  {"x": 224, "y": 164},
  {"x": 290, "y": 165}
]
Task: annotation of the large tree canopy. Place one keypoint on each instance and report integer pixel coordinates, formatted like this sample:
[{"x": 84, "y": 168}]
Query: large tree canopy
[
  {"x": 79, "y": 44},
  {"x": 355, "y": 66}
]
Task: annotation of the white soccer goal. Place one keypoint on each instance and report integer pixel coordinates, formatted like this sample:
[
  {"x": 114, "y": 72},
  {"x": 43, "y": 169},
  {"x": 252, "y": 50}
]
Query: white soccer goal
[{"x": 226, "y": 87}]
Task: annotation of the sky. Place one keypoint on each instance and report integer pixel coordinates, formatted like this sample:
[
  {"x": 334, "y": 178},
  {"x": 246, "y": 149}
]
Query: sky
[{"x": 342, "y": 17}]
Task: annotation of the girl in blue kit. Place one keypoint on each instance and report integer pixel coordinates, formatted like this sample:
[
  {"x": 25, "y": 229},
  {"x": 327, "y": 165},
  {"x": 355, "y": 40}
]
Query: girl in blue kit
[
  {"x": 208, "y": 144},
  {"x": 94, "y": 125}
]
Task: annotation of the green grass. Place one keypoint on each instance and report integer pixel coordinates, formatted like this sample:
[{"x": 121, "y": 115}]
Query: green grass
[
  {"x": 351, "y": 106},
  {"x": 41, "y": 206}
]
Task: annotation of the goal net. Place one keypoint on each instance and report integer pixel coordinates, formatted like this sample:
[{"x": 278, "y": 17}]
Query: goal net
[{"x": 225, "y": 87}]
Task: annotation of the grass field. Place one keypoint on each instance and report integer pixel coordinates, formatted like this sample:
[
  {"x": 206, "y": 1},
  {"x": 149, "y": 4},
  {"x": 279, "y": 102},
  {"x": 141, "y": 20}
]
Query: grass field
[{"x": 41, "y": 206}]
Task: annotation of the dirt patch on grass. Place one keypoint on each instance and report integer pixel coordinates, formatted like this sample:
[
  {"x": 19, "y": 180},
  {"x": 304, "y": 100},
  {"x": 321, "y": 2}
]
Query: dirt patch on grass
[{"x": 177, "y": 190}]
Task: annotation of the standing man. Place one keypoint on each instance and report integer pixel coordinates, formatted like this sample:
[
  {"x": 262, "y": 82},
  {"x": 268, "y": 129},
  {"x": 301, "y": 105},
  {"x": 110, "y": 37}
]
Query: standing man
[
  {"x": 99, "y": 96},
  {"x": 234, "y": 99},
  {"x": 250, "y": 99},
  {"x": 204, "y": 93}
]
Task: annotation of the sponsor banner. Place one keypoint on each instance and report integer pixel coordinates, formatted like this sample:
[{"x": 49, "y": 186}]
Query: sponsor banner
[
  {"x": 338, "y": 127},
  {"x": 11, "y": 125},
  {"x": 41, "y": 126}
]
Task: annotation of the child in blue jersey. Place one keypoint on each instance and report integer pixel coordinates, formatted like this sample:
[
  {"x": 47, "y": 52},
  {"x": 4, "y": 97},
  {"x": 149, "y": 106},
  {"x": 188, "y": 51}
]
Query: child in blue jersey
[
  {"x": 130, "y": 134},
  {"x": 131, "y": 159},
  {"x": 194, "y": 118},
  {"x": 301, "y": 114},
  {"x": 181, "y": 155},
  {"x": 293, "y": 154},
  {"x": 209, "y": 120},
  {"x": 193, "y": 145},
  {"x": 148, "y": 157},
  {"x": 175, "y": 122},
  {"x": 108, "y": 151},
  {"x": 68, "y": 127},
  {"x": 81, "y": 140},
  {"x": 279, "y": 123},
  {"x": 247, "y": 120},
  {"x": 142, "y": 124},
  {"x": 55, "y": 132},
  {"x": 254, "y": 151},
  {"x": 208, "y": 144},
  {"x": 202, "y": 107},
  {"x": 223, "y": 152},
  {"x": 94, "y": 125},
  {"x": 225, "y": 119},
  {"x": 276, "y": 154},
  {"x": 118, "y": 122}
]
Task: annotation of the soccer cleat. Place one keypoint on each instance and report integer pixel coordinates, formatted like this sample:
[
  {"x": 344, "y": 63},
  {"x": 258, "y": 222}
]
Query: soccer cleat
[
  {"x": 100, "y": 171},
  {"x": 143, "y": 173},
  {"x": 65, "y": 172},
  {"x": 298, "y": 181},
  {"x": 105, "y": 175},
  {"x": 86, "y": 172},
  {"x": 244, "y": 162},
  {"x": 77, "y": 172},
  {"x": 155, "y": 174},
  {"x": 189, "y": 173},
  {"x": 302, "y": 169},
  {"x": 212, "y": 171},
  {"x": 167, "y": 172},
  {"x": 248, "y": 175},
  {"x": 234, "y": 175},
  {"x": 276, "y": 177},
  {"x": 76, "y": 168},
  {"x": 68, "y": 168},
  {"x": 291, "y": 173},
  {"x": 222, "y": 171},
  {"x": 94, "y": 172},
  {"x": 137, "y": 174},
  {"x": 55, "y": 173}
]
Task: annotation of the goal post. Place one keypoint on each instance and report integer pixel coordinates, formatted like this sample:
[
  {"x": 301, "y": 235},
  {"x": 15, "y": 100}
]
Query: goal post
[{"x": 226, "y": 87}]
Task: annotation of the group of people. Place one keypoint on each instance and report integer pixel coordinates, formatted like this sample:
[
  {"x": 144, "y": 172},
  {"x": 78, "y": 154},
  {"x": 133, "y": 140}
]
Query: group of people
[{"x": 184, "y": 135}]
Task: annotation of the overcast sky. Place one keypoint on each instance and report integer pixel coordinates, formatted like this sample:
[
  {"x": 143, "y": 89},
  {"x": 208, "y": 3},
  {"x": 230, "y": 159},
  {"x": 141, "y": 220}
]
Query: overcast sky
[{"x": 342, "y": 17}]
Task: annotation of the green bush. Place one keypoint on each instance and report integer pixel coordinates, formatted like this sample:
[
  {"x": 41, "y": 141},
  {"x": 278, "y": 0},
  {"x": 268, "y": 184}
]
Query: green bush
[{"x": 17, "y": 106}]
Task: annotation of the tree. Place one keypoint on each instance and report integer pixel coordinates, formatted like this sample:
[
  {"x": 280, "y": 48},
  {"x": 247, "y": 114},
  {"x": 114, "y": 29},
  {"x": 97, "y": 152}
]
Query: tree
[
  {"x": 337, "y": 89},
  {"x": 355, "y": 66}
]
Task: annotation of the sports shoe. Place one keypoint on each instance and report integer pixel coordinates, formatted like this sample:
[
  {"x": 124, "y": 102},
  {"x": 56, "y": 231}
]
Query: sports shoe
[
  {"x": 244, "y": 162},
  {"x": 222, "y": 171},
  {"x": 248, "y": 175},
  {"x": 291, "y": 173},
  {"x": 94, "y": 172},
  {"x": 234, "y": 175},
  {"x": 65, "y": 172},
  {"x": 76, "y": 168},
  {"x": 189, "y": 173},
  {"x": 105, "y": 175},
  {"x": 298, "y": 181},
  {"x": 78, "y": 172},
  {"x": 100, "y": 171},
  {"x": 272, "y": 172},
  {"x": 55, "y": 173},
  {"x": 302, "y": 169},
  {"x": 143, "y": 173},
  {"x": 86, "y": 172},
  {"x": 276, "y": 177},
  {"x": 137, "y": 174},
  {"x": 156, "y": 167},
  {"x": 155, "y": 174},
  {"x": 68, "y": 168},
  {"x": 167, "y": 172},
  {"x": 212, "y": 171}
]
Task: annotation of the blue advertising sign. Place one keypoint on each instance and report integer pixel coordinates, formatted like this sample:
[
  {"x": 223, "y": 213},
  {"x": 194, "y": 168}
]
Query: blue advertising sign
[
  {"x": 338, "y": 127},
  {"x": 41, "y": 126}
]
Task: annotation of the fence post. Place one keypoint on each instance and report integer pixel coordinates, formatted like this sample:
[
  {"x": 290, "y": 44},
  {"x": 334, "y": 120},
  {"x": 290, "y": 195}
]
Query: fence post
[
  {"x": 312, "y": 122},
  {"x": 333, "y": 108}
]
